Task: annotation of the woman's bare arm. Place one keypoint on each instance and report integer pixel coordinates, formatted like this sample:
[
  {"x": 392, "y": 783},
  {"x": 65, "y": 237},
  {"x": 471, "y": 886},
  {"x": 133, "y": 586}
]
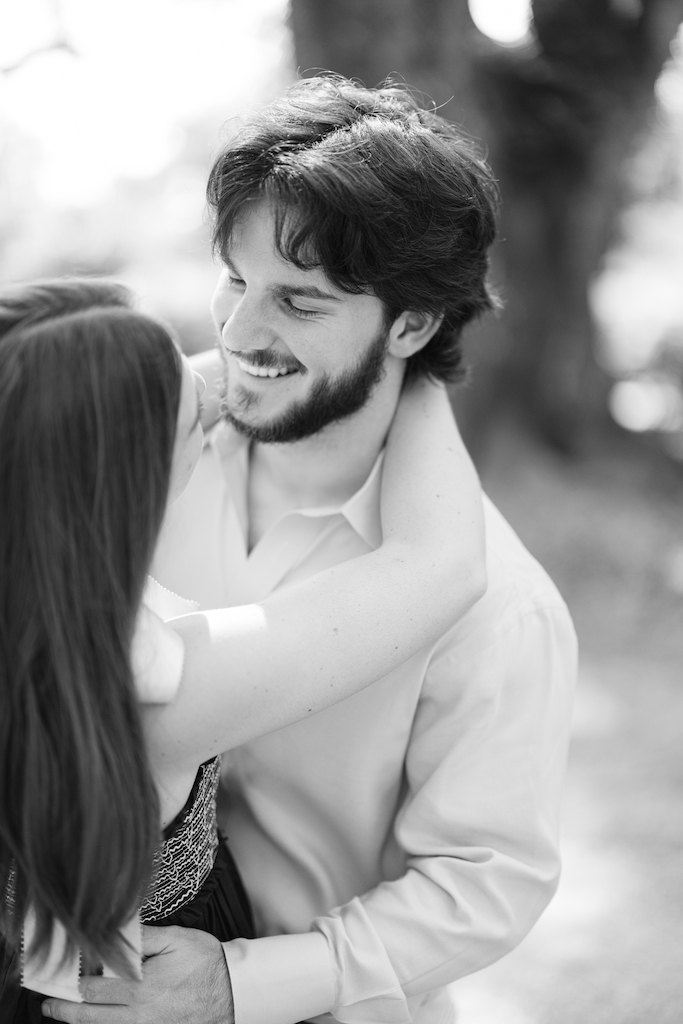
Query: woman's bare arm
[{"x": 256, "y": 668}]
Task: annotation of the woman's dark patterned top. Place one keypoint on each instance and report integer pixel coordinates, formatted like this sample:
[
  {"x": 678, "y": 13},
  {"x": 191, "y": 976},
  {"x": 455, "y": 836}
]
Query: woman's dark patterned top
[{"x": 186, "y": 856}]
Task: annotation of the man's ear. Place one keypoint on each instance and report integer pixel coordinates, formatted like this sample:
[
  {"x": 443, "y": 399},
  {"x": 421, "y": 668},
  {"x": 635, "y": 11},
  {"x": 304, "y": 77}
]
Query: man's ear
[{"x": 410, "y": 332}]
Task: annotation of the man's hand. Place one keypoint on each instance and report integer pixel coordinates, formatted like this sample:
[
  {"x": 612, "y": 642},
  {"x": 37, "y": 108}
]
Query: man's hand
[{"x": 185, "y": 981}]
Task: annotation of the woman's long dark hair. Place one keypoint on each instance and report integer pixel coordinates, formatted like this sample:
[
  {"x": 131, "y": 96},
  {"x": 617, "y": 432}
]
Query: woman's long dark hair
[{"x": 89, "y": 394}]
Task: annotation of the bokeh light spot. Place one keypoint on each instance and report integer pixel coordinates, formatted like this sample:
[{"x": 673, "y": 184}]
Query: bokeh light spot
[
  {"x": 507, "y": 22},
  {"x": 646, "y": 404}
]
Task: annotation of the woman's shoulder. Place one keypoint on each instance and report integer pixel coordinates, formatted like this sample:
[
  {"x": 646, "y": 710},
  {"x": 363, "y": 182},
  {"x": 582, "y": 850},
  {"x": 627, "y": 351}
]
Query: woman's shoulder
[{"x": 157, "y": 652}]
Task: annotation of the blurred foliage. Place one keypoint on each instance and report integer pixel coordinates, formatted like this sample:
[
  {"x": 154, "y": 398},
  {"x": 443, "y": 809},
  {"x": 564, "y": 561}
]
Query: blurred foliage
[
  {"x": 150, "y": 232},
  {"x": 149, "y": 229},
  {"x": 637, "y": 299}
]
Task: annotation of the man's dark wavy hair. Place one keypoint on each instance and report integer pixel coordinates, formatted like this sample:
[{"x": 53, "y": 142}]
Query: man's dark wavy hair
[{"x": 382, "y": 195}]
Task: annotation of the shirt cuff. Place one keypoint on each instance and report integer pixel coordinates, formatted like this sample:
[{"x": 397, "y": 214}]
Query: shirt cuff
[{"x": 280, "y": 979}]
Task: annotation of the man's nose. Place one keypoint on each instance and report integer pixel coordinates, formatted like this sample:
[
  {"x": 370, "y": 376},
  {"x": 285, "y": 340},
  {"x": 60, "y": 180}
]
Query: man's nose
[{"x": 246, "y": 327}]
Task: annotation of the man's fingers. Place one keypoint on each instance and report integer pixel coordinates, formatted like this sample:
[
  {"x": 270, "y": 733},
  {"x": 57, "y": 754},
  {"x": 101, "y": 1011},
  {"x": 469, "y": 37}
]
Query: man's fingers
[
  {"x": 108, "y": 990},
  {"x": 82, "y": 1013}
]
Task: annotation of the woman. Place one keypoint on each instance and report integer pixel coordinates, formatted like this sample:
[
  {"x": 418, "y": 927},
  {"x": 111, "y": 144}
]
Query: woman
[{"x": 99, "y": 425}]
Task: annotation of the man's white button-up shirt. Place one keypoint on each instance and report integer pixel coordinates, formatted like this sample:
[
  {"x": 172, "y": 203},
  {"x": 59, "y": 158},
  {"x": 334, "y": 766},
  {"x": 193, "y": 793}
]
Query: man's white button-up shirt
[{"x": 409, "y": 835}]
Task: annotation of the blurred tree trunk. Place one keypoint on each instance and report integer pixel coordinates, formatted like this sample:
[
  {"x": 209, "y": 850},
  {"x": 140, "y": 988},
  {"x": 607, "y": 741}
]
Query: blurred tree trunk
[{"x": 558, "y": 118}]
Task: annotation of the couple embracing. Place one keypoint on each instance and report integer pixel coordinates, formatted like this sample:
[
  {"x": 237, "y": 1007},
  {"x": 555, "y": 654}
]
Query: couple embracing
[{"x": 385, "y": 669}]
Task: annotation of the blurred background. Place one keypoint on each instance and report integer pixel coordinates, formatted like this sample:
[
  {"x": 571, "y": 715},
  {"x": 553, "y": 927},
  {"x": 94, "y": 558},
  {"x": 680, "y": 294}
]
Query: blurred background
[{"x": 110, "y": 114}]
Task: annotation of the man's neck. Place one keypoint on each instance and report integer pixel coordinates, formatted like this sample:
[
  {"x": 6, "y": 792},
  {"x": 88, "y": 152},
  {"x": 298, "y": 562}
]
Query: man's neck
[{"x": 323, "y": 470}]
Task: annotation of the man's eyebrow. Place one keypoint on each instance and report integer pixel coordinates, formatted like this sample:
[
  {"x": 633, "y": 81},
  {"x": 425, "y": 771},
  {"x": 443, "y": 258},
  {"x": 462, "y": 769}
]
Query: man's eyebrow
[
  {"x": 281, "y": 291},
  {"x": 304, "y": 291}
]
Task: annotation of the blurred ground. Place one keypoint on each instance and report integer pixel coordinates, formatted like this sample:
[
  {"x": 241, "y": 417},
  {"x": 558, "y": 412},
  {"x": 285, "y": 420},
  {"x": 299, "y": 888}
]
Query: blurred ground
[{"x": 609, "y": 950}]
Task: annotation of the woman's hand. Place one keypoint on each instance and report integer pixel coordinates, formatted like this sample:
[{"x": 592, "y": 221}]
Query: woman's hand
[{"x": 209, "y": 365}]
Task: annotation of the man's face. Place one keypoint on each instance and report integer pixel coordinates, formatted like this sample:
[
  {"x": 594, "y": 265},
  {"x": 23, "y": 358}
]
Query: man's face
[{"x": 299, "y": 352}]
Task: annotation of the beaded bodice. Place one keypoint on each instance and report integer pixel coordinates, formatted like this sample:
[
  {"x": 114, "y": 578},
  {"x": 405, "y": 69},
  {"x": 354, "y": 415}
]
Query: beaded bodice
[{"x": 186, "y": 856}]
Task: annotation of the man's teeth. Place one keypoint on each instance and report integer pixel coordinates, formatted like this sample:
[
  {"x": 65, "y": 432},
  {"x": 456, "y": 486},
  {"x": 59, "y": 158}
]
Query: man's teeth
[{"x": 263, "y": 371}]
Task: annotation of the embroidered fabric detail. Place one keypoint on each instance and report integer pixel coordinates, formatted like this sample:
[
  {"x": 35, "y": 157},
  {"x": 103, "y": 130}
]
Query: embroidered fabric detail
[
  {"x": 184, "y": 860},
  {"x": 11, "y": 888}
]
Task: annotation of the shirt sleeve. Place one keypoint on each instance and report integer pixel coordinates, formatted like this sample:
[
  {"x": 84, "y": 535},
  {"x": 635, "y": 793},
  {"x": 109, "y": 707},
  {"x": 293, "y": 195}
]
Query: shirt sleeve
[
  {"x": 479, "y": 824},
  {"x": 477, "y": 832},
  {"x": 280, "y": 979}
]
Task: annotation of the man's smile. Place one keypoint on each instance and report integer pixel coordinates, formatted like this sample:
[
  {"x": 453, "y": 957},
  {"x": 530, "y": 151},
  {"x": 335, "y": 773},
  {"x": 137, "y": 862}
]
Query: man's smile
[{"x": 265, "y": 371}]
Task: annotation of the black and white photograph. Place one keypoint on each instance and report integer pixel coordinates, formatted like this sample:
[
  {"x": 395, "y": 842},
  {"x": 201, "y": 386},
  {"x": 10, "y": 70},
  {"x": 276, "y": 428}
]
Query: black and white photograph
[{"x": 341, "y": 511}]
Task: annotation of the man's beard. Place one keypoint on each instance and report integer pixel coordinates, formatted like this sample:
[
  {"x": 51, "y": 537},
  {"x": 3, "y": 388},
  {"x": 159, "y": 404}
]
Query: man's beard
[{"x": 329, "y": 400}]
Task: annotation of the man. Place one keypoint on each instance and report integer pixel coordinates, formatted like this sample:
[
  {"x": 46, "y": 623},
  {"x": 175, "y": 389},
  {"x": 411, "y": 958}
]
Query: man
[{"x": 408, "y": 836}]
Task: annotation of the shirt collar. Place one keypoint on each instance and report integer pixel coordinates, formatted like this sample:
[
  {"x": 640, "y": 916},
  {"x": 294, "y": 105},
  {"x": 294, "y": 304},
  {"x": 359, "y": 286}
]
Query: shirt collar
[{"x": 361, "y": 510}]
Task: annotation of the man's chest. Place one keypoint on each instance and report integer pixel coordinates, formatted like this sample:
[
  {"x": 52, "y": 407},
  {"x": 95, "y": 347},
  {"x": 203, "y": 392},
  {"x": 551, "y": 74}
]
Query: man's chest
[
  {"x": 345, "y": 762},
  {"x": 265, "y": 505},
  {"x": 204, "y": 553}
]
